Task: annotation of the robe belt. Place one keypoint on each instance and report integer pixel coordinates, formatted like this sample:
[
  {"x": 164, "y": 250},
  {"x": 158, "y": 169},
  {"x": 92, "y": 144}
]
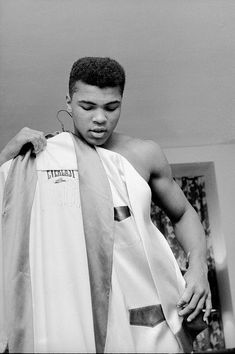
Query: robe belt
[{"x": 147, "y": 316}]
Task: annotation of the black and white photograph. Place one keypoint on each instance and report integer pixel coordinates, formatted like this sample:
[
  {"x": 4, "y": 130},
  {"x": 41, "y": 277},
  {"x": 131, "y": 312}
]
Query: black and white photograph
[{"x": 117, "y": 175}]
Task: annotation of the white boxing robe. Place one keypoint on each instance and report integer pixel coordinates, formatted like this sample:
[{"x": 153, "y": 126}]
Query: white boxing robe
[{"x": 62, "y": 312}]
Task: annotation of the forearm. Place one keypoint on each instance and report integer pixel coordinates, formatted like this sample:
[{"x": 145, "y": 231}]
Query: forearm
[
  {"x": 190, "y": 234},
  {"x": 196, "y": 296}
]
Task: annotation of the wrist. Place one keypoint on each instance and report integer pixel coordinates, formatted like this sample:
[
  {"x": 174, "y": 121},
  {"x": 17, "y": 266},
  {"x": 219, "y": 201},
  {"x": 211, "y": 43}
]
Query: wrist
[{"x": 195, "y": 259}]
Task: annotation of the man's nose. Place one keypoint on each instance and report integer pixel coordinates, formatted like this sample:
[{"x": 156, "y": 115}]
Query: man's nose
[{"x": 99, "y": 116}]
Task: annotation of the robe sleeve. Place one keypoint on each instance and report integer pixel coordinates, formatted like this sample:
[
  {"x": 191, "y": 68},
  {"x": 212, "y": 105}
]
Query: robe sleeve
[{"x": 3, "y": 336}]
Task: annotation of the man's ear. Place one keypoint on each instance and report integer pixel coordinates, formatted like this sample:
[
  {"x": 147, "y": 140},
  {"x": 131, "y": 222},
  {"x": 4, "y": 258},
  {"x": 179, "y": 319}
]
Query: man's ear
[{"x": 68, "y": 102}]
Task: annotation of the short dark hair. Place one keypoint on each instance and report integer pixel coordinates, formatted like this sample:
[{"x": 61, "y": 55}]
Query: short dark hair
[{"x": 97, "y": 71}]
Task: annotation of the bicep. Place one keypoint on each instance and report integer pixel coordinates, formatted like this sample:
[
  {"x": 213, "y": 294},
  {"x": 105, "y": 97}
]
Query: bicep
[
  {"x": 169, "y": 197},
  {"x": 166, "y": 193}
]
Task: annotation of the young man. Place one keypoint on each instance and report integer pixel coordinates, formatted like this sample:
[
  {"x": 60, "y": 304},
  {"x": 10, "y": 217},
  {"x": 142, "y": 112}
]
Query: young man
[{"x": 95, "y": 273}]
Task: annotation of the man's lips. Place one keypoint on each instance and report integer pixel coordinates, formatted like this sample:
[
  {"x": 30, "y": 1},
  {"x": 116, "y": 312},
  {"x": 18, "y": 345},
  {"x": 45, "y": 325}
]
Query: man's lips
[
  {"x": 98, "y": 133},
  {"x": 98, "y": 130}
]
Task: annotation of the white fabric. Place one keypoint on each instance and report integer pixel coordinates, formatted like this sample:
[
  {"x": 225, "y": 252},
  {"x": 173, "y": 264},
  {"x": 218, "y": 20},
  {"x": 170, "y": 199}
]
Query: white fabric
[
  {"x": 62, "y": 311},
  {"x": 165, "y": 271},
  {"x": 60, "y": 281},
  {"x": 131, "y": 272},
  {"x": 3, "y": 338}
]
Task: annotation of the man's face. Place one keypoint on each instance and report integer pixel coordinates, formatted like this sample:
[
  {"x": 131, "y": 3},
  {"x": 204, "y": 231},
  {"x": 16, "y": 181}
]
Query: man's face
[{"x": 95, "y": 112}]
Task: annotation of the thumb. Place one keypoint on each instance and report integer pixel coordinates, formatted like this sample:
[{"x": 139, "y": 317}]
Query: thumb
[{"x": 185, "y": 298}]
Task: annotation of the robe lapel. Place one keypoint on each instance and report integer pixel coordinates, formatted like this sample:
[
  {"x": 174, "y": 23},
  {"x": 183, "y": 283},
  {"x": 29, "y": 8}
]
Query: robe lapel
[{"x": 98, "y": 222}]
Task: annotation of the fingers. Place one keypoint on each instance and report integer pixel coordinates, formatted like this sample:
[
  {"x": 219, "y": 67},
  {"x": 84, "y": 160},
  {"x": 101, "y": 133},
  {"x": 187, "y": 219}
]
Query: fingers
[
  {"x": 208, "y": 308},
  {"x": 36, "y": 137},
  {"x": 24, "y": 136},
  {"x": 197, "y": 309},
  {"x": 196, "y": 294},
  {"x": 192, "y": 306},
  {"x": 39, "y": 143},
  {"x": 186, "y": 297}
]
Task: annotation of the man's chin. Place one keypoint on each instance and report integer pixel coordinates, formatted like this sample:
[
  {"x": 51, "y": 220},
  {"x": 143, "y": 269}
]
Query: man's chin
[{"x": 96, "y": 142}]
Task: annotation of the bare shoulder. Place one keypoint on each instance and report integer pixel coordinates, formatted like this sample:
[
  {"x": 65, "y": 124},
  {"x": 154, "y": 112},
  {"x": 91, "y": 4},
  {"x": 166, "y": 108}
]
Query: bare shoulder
[{"x": 145, "y": 155}]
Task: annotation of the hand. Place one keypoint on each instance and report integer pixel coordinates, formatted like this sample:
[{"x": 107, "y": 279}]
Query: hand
[
  {"x": 24, "y": 136},
  {"x": 197, "y": 293}
]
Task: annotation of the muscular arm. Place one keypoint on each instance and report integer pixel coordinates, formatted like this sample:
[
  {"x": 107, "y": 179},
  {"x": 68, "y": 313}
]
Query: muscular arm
[{"x": 188, "y": 230}]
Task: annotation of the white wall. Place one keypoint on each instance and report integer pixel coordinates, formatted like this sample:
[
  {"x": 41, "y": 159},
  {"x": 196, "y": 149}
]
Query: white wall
[
  {"x": 220, "y": 188},
  {"x": 179, "y": 56}
]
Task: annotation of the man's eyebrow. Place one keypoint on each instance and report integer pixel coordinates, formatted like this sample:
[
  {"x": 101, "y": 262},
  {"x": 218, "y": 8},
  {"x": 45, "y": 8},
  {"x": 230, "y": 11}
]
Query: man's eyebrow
[
  {"x": 87, "y": 102},
  {"x": 112, "y": 102},
  {"x": 92, "y": 103}
]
